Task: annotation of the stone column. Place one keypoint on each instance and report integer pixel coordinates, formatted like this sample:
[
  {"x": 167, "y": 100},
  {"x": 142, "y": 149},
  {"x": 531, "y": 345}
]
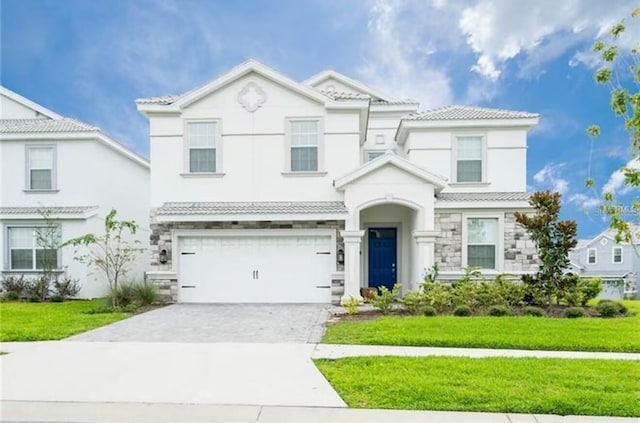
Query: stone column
[
  {"x": 352, "y": 241},
  {"x": 425, "y": 241}
]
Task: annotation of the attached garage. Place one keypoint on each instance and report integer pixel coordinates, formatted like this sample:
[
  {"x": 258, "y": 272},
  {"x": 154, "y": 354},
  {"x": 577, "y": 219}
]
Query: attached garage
[{"x": 256, "y": 266}]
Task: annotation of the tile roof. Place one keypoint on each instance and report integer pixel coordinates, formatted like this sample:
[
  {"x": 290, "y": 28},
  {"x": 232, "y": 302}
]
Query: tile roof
[
  {"x": 345, "y": 96},
  {"x": 53, "y": 210},
  {"x": 483, "y": 196},
  {"x": 164, "y": 99},
  {"x": 469, "y": 112},
  {"x": 279, "y": 207},
  {"x": 405, "y": 101},
  {"x": 42, "y": 125}
]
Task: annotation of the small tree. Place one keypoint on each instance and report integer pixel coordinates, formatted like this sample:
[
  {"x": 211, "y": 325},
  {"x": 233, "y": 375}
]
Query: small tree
[
  {"x": 111, "y": 252},
  {"x": 554, "y": 239},
  {"x": 49, "y": 241}
]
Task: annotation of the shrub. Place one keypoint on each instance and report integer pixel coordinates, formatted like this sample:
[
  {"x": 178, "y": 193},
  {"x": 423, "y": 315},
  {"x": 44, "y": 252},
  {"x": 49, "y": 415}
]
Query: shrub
[
  {"x": 56, "y": 298},
  {"x": 489, "y": 294},
  {"x": 145, "y": 293},
  {"x": 512, "y": 292},
  {"x": 462, "y": 311},
  {"x": 590, "y": 288},
  {"x": 15, "y": 284},
  {"x": 429, "y": 311},
  {"x": 414, "y": 302},
  {"x": 10, "y": 296},
  {"x": 107, "y": 308},
  {"x": 382, "y": 300},
  {"x": 465, "y": 293},
  {"x": 499, "y": 310},
  {"x": 534, "y": 295},
  {"x": 37, "y": 290},
  {"x": 124, "y": 294},
  {"x": 574, "y": 313},
  {"x": 66, "y": 287},
  {"x": 610, "y": 308},
  {"x": 436, "y": 295},
  {"x": 534, "y": 311},
  {"x": 351, "y": 305}
]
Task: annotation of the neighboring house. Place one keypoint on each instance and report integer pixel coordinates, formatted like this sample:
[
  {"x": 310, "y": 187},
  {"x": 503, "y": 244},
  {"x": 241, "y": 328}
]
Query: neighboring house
[
  {"x": 265, "y": 189},
  {"x": 617, "y": 264},
  {"x": 73, "y": 171}
]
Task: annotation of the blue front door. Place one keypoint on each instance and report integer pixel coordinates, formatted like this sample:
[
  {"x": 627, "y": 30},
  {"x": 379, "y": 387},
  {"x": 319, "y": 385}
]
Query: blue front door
[{"x": 382, "y": 257}]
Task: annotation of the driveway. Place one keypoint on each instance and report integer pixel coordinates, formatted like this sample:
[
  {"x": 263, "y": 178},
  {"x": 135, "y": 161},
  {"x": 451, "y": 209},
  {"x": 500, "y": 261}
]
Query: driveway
[{"x": 256, "y": 323}]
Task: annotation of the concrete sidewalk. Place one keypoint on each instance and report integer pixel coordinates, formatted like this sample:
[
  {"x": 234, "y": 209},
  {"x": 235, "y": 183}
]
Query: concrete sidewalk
[
  {"x": 335, "y": 351},
  {"x": 19, "y": 411}
]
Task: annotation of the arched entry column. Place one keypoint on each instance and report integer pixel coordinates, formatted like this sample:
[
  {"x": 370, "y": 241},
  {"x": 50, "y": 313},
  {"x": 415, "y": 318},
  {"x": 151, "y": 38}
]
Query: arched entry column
[{"x": 352, "y": 246}]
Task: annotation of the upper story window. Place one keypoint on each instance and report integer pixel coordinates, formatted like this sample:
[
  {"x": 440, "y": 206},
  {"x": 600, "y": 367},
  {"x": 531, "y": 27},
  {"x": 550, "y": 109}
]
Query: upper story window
[
  {"x": 372, "y": 154},
  {"x": 40, "y": 168},
  {"x": 304, "y": 139},
  {"x": 482, "y": 242},
  {"x": 592, "y": 256},
  {"x": 617, "y": 254},
  {"x": 25, "y": 253},
  {"x": 469, "y": 158},
  {"x": 202, "y": 142}
]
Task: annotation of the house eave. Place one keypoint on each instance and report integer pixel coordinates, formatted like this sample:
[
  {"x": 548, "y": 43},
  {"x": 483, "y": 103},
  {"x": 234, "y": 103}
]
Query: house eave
[
  {"x": 253, "y": 217},
  {"x": 519, "y": 205}
]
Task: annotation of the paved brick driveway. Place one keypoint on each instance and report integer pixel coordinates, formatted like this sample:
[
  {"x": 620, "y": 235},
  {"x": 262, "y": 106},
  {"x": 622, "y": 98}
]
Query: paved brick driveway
[{"x": 290, "y": 323}]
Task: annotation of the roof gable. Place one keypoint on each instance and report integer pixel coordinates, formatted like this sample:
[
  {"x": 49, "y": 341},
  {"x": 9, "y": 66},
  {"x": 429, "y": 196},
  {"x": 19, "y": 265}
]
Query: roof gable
[
  {"x": 184, "y": 100},
  {"x": 341, "y": 79},
  {"x": 38, "y": 110},
  {"x": 392, "y": 159}
]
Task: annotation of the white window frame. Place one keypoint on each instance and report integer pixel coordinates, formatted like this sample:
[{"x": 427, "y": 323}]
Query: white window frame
[
  {"x": 217, "y": 147},
  {"x": 454, "y": 157},
  {"x": 613, "y": 255},
  {"x": 499, "y": 267},
  {"x": 54, "y": 163},
  {"x": 7, "y": 234},
  {"x": 595, "y": 255},
  {"x": 320, "y": 168}
]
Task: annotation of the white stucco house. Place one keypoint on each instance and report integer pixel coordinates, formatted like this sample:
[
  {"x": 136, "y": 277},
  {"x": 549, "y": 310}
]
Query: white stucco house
[
  {"x": 266, "y": 189},
  {"x": 76, "y": 173}
]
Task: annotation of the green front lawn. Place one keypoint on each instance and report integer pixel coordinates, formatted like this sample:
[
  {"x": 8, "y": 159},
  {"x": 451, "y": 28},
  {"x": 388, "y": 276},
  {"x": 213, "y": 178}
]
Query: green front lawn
[
  {"x": 505, "y": 385},
  {"x": 50, "y": 321},
  {"x": 529, "y": 333}
]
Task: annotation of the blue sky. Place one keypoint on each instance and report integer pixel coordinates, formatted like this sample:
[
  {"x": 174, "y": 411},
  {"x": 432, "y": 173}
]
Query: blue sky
[{"x": 91, "y": 60}]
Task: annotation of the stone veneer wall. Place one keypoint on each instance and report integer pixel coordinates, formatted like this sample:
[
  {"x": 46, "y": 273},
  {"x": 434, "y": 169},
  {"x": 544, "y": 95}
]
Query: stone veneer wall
[
  {"x": 160, "y": 239},
  {"x": 519, "y": 251}
]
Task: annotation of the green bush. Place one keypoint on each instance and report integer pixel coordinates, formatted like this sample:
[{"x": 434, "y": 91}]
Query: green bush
[
  {"x": 414, "y": 302},
  {"x": 383, "y": 299},
  {"x": 56, "y": 298},
  {"x": 488, "y": 294},
  {"x": 462, "y": 311},
  {"x": 512, "y": 292},
  {"x": 429, "y": 311},
  {"x": 610, "y": 308},
  {"x": 534, "y": 311},
  {"x": 37, "y": 290},
  {"x": 66, "y": 287},
  {"x": 499, "y": 310},
  {"x": 436, "y": 295},
  {"x": 351, "y": 305},
  {"x": 590, "y": 288},
  {"x": 124, "y": 294},
  {"x": 108, "y": 308},
  {"x": 145, "y": 293},
  {"x": 465, "y": 293},
  {"x": 574, "y": 313},
  {"x": 15, "y": 284},
  {"x": 9, "y": 296}
]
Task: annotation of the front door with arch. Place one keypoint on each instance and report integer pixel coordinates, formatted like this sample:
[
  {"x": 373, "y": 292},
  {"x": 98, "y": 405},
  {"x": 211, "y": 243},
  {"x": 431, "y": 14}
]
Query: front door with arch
[{"x": 383, "y": 253}]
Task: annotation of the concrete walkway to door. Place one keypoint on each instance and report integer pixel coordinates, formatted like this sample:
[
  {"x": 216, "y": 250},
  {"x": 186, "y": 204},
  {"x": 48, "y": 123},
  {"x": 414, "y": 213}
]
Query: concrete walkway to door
[{"x": 259, "y": 323}]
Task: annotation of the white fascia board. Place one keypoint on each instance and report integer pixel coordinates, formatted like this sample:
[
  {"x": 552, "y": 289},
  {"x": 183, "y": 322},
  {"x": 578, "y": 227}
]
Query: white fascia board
[
  {"x": 394, "y": 108},
  {"x": 247, "y": 217},
  {"x": 349, "y": 104},
  {"x": 507, "y": 205},
  {"x": 65, "y": 216},
  {"x": 148, "y": 109}
]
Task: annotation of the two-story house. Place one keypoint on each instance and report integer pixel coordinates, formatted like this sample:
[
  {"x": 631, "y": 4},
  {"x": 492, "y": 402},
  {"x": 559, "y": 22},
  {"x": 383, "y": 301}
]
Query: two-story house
[
  {"x": 265, "y": 189},
  {"x": 617, "y": 264},
  {"x": 73, "y": 172}
]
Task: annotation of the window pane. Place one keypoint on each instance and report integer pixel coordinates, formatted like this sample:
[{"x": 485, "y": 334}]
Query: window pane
[
  {"x": 41, "y": 158},
  {"x": 202, "y": 160},
  {"x": 592, "y": 256},
  {"x": 40, "y": 179},
  {"x": 304, "y": 133},
  {"x": 482, "y": 231},
  {"x": 46, "y": 257},
  {"x": 202, "y": 134},
  {"x": 617, "y": 255},
  {"x": 469, "y": 171},
  {"x": 21, "y": 238},
  {"x": 304, "y": 159},
  {"x": 21, "y": 259},
  {"x": 373, "y": 154},
  {"x": 469, "y": 148},
  {"x": 483, "y": 256}
]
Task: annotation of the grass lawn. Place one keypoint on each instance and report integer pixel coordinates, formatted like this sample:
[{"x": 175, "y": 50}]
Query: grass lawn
[
  {"x": 506, "y": 385},
  {"x": 529, "y": 333},
  {"x": 49, "y": 321}
]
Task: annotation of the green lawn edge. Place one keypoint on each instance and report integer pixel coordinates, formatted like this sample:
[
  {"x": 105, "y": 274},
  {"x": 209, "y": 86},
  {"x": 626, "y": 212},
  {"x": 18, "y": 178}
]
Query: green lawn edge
[{"x": 501, "y": 385}]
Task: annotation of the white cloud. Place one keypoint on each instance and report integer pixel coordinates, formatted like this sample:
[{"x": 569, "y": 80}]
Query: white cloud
[
  {"x": 615, "y": 184},
  {"x": 549, "y": 178},
  {"x": 585, "y": 202}
]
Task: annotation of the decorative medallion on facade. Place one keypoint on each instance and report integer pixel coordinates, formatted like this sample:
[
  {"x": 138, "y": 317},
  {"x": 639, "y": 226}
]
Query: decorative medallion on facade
[{"x": 252, "y": 97}]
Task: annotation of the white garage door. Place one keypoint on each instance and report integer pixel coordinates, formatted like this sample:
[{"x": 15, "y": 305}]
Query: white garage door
[{"x": 255, "y": 269}]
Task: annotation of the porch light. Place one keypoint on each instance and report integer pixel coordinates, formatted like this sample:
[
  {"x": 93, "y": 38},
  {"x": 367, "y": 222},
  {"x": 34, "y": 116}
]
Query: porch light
[
  {"x": 340, "y": 256},
  {"x": 162, "y": 257}
]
